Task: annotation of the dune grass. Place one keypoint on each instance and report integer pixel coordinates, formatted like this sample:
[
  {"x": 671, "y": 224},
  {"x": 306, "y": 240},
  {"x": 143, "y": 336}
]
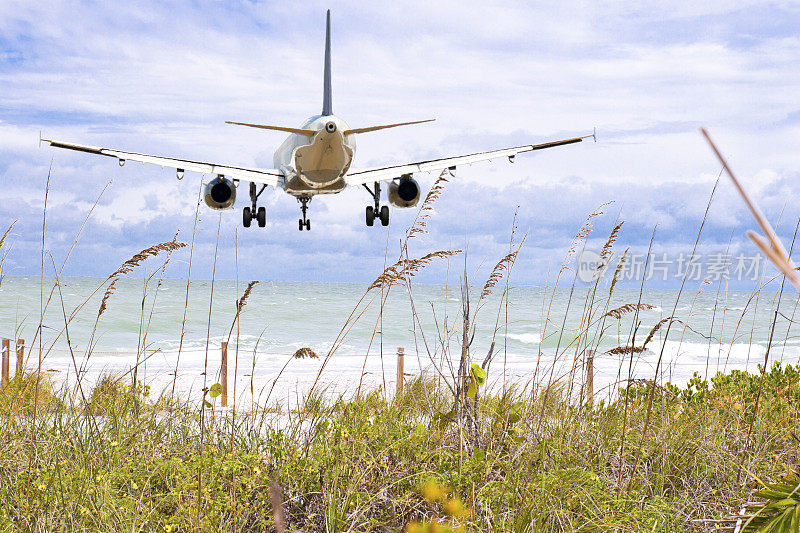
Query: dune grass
[{"x": 377, "y": 464}]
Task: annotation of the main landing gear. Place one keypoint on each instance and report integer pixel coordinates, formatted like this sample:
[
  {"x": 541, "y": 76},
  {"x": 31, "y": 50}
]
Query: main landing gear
[
  {"x": 304, "y": 222},
  {"x": 377, "y": 211},
  {"x": 254, "y": 212}
]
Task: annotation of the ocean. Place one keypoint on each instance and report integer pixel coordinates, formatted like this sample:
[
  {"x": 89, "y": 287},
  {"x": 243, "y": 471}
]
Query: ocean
[{"x": 176, "y": 338}]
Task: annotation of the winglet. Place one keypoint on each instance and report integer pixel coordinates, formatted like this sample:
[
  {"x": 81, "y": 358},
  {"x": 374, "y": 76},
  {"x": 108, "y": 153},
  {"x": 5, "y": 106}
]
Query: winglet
[
  {"x": 594, "y": 133},
  {"x": 327, "y": 96},
  {"x": 40, "y": 138}
]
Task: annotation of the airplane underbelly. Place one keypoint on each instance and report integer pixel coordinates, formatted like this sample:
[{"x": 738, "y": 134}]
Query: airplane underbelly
[{"x": 298, "y": 186}]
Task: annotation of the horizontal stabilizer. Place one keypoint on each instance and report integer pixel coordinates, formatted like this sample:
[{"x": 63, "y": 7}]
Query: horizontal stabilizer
[
  {"x": 298, "y": 131},
  {"x": 376, "y": 128}
]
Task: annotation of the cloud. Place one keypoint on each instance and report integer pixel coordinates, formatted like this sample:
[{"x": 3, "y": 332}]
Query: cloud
[{"x": 162, "y": 79}]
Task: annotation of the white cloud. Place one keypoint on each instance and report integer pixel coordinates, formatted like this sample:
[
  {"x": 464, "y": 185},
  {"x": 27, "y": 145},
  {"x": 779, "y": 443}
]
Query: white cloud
[{"x": 162, "y": 78}]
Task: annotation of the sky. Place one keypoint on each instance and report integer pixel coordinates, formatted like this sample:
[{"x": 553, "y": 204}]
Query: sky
[{"x": 162, "y": 77}]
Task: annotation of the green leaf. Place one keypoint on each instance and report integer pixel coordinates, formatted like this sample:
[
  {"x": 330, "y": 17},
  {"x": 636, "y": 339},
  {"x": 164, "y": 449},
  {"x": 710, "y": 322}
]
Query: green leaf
[
  {"x": 515, "y": 413},
  {"x": 472, "y": 390},
  {"x": 216, "y": 390},
  {"x": 206, "y": 403},
  {"x": 478, "y": 374},
  {"x": 442, "y": 420}
]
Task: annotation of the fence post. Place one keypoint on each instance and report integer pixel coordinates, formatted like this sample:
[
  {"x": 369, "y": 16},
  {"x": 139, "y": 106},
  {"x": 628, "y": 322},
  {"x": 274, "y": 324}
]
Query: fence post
[
  {"x": 6, "y": 350},
  {"x": 20, "y": 356},
  {"x": 589, "y": 376},
  {"x": 400, "y": 357},
  {"x": 223, "y": 371}
]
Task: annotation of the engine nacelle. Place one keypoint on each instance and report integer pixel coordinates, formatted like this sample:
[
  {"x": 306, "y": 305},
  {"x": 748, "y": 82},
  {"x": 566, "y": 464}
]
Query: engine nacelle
[
  {"x": 220, "y": 193},
  {"x": 404, "y": 193}
]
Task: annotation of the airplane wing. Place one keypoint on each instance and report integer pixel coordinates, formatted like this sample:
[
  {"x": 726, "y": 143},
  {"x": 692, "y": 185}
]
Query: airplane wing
[
  {"x": 255, "y": 175},
  {"x": 360, "y": 177}
]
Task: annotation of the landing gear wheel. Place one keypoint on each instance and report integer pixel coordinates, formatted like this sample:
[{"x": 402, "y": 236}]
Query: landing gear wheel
[
  {"x": 247, "y": 217},
  {"x": 370, "y": 215},
  {"x": 385, "y": 215},
  {"x": 261, "y": 217},
  {"x": 300, "y": 224},
  {"x": 308, "y": 225}
]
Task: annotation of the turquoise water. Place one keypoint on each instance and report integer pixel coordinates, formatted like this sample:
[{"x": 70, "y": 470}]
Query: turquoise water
[{"x": 145, "y": 323}]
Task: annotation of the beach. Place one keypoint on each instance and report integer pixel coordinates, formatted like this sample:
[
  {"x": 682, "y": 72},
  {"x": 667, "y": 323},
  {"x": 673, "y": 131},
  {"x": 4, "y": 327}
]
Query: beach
[{"x": 158, "y": 330}]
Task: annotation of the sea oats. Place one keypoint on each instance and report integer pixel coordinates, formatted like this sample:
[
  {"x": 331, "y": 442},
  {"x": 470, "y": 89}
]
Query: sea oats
[
  {"x": 302, "y": 353},
  {"x": 405, "y": 269},
  {"x": 128, "y": 266},
  {"x": 628, "y": 308},
  {"x": 502, "y": 266},
  {"x": 243, "y": 300},
  {"x": 605, "y": 253},
  {"x": 426, "y": 210}
]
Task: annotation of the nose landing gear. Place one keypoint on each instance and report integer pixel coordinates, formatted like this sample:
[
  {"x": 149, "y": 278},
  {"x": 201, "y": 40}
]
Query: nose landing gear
[
  {"x": 254, "y": 212},
  {"x": 376, "y": 212},
  {"x": 304, "y": 222}
]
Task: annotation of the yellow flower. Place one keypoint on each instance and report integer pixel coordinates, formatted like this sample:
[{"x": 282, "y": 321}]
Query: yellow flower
[
  {"x": 455, "y": 508},
  {"x": 134, "y": 486},
  {"x": 257, "y": 471},
  {"x": 432, "y": 491},
  {"x": 42, "y": 487},
  {"x": 114, "y": 443},
  {"x": 414, "y": 527},
  {"x": 737, "y": 406}
]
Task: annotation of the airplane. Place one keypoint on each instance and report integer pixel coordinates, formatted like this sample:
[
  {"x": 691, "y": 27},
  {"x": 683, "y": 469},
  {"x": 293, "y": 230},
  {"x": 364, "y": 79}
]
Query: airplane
[{"x": 315, "y": 159}]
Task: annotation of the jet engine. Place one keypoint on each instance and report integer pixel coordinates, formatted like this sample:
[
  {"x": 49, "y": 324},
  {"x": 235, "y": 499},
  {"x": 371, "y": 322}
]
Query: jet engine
[
  {"x": 404, "y": 193},
  {"x": 220, "y": 193}
]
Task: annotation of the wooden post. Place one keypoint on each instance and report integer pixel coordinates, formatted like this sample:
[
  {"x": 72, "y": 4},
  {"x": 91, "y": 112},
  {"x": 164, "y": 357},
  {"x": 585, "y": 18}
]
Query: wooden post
[
  {"x": 400, "y": 357},
  {"x": 223, "y": 377},
  {"x": 6, "y": 350},
  {"x": 589, "y": 376},
  {"x": 20, "y": 357}
]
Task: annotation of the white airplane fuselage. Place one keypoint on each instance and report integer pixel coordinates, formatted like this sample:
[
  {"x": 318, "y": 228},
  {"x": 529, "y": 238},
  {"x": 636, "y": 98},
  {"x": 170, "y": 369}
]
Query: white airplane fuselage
[{"x": 318, "y": 164}]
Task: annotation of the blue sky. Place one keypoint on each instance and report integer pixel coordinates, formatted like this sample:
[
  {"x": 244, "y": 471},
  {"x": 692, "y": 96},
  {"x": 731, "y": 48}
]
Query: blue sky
[{"x": 163, "y": 77}]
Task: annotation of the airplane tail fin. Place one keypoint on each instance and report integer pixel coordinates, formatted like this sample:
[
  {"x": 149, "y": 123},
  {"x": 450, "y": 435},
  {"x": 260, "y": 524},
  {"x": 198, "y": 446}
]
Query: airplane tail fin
[{"x": 327, "y": 96}]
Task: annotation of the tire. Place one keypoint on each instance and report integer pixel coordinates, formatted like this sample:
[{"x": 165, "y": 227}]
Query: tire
[
  {"x": 300, "y": 224},
  {"x": 247, "y": 217},
  {"x": 385, "y": 215},
  {"x": 262, "y": 217},
  {"x": 370, "y": 215},
  {"x": 308, "y": 225}
]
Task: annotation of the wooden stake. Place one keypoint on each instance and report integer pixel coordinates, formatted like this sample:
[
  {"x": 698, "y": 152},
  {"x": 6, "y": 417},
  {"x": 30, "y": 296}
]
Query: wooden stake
[
  {"x": 20, "y": 356},
  {"x": 6, "y": 350},
  {"x": 223, "y": 371},
  {"x": 589, "y": 376},
  {"x": 400, "y": 357}
]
